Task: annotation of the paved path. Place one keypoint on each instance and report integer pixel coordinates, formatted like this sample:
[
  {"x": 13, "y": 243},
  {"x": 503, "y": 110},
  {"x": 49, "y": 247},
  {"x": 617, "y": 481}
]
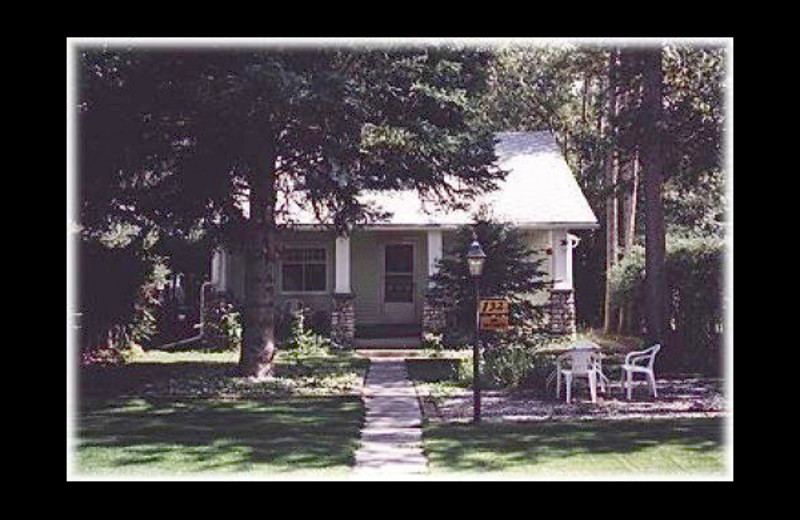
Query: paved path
[{"x": 391, "y": 441}]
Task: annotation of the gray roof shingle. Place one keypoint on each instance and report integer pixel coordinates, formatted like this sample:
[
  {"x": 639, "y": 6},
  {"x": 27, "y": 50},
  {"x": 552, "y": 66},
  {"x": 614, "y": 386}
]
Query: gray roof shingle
[{"x": 539, "y": 191}]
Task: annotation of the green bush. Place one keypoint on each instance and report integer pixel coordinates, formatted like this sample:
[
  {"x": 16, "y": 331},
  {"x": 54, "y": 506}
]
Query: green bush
[
  {"x": 117, "y": 280},
  {"x": 435, "y": 369},
  {"x": 223, "y": 325},
  {"x": 509, "y": 366},
  {"x": 512, "y": 271},
  {"x": 302, "y": 340},
  {"x": 694, "y": 268},
  {"x": 433, "y": 341},
  {"x": 455, "y": 339}
]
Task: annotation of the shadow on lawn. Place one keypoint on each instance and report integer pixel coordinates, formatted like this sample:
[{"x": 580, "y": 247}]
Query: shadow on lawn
[
  {"x": 115, "y": 380},
  {"x": 208, "y": 435},
  {"x": 456, "y": 446},
  {"x": 212, "y": 378}
]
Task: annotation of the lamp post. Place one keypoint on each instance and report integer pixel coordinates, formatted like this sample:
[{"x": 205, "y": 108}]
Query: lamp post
[{"x": 475, "y": 260}]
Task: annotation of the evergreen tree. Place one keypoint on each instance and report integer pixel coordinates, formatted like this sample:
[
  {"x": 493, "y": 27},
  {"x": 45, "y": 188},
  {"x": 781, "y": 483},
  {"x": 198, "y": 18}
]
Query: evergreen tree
[
  {"x": 511, "y": 271},
  {"x": 653, "y": 170},
  {"x": 271, "y": 130}
]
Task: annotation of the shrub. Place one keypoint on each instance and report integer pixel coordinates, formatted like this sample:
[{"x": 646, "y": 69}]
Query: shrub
[
  {"x": 453, "y": 338},
  {"x": 302, "y": 340},
  {"x": 433, "y": 370},
  {"x": 510, "y": 366},
  {"x": 117, "y": 280},
  {"x": 433, "y": 341},
  {"x": 223, "y": 325},
  {"x": 511, "y": 272},
  {"x": 320, "y": 323},
  {"x": 694, "y": 268}
]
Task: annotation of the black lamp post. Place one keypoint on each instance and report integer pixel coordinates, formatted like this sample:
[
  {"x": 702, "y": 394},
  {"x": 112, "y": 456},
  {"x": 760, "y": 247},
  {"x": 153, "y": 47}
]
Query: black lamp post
[{"x": 475, "y": 260}]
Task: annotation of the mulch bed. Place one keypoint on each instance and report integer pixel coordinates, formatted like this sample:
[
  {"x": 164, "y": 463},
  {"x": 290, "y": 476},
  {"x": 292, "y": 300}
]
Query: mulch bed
[{"x": 678, "y": 397}]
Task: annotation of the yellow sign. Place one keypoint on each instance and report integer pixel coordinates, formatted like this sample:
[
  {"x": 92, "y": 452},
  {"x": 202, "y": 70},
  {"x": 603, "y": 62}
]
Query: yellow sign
[{"x": 493, "y": 314}]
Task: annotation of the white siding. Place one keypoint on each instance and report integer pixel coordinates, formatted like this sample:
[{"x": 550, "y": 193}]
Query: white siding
[{"x": 366, "y": 268}]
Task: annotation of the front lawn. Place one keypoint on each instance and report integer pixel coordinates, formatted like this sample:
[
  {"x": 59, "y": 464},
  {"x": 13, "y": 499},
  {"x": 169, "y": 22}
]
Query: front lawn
[
  {"x": 213, "y": 374},
  {"x": 151, "y": 437},
  {"x": 187, "y": 412},
  {"x": 631, "y": 447}
]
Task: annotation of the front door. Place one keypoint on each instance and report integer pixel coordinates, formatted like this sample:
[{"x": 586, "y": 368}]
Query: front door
[{"x": 398, "y": 283}]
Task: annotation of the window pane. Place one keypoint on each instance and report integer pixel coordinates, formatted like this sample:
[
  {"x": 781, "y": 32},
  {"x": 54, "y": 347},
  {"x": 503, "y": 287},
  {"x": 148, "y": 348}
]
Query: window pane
[
  {"x": 399, "y": 258},
  {"x": 304, "y": 269},
  {"x": 314, "y": 277},
  {"x": 292, "y": 255},
  {"x": 292, "y": 275},
  {"x": 399, "y": 288},
  {"x": 315, "y": 255}
]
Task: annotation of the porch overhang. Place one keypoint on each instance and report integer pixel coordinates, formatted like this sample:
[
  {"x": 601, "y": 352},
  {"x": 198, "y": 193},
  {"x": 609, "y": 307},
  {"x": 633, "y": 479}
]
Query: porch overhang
[{"x": 449, "y": 226}]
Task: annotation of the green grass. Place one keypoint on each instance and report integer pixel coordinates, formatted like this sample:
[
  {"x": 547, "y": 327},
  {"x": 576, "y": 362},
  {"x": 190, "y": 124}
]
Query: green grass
[
  {"x": 553, "y": 449},
  {"x": 187, "y": 413},
  {"x": 135, "y": 436},
  {"x": 213, "y": 374}
]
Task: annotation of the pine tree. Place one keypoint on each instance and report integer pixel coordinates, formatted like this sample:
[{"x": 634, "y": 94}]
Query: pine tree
[
  {"x": 268, "y": 129},
  {"x": 512, "y": 271}
]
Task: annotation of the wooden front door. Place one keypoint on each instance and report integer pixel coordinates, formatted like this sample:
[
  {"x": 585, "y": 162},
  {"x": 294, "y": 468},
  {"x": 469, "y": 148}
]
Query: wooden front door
[{"x": 399, "y": 303}]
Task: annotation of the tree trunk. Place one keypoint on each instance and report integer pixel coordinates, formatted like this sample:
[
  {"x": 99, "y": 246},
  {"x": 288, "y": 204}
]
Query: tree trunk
[
  {"x": 653, "y": 172},
  {"x": 584, "y": 98},
  {"x": 630, "y": 178},
  {"x": 611, "y": 173},
  {"x": 258, "y": 337}
]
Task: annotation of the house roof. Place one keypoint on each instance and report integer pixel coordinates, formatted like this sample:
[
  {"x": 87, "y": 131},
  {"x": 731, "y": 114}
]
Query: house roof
[{"x": 539, "y": 191}]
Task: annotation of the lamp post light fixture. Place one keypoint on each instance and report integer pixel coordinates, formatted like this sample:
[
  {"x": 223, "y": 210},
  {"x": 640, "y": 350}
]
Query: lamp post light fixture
[{"x": 476, "y": 258}]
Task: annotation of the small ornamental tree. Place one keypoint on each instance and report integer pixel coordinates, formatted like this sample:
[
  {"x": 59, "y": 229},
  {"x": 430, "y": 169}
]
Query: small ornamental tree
[{"x": 511, "y": 271}]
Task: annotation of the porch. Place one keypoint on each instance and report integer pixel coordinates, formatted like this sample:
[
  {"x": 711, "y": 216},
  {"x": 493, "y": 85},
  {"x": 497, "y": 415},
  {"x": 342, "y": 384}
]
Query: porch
[{"x": 374, "y": 283}]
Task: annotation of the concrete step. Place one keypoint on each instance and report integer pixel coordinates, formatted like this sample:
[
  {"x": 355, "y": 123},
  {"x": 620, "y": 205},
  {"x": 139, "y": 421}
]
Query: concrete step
[{"x": 409, "y": 342}]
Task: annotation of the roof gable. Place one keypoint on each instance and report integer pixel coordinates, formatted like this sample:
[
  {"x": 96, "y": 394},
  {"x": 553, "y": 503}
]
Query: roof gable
[{"x": 539, "y": 191}]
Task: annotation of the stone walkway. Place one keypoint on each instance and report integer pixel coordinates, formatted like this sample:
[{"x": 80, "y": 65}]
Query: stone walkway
[{"x": 391, "y": 441}]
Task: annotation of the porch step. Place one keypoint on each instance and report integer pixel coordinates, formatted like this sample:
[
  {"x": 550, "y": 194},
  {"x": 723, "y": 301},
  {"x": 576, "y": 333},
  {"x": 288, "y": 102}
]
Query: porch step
[
  {"x": 409, "y": 342},
  {"x": 388, "y": 330}
]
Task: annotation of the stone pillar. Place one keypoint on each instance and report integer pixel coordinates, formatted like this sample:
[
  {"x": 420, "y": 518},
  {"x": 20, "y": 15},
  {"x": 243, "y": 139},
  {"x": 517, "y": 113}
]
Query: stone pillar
[
  {"x": 562, "y": 311},
  {"x": 343, "y": 319},
  {"x": 343, "y": 313},
  {"x": 434, "y": 319}
]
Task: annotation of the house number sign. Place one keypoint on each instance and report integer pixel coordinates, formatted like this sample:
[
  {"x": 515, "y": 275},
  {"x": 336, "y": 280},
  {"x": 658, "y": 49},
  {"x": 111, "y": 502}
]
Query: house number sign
[{"x": 493, "y": 314}]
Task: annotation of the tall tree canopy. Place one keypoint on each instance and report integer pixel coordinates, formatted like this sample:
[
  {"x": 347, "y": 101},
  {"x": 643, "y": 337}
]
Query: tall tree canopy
[
  {"x": 569, "y": 90},
  {"x": 182, "y": 140}
]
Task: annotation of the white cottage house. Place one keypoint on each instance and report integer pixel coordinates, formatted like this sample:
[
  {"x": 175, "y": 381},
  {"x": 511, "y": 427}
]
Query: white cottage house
[{"x": 374, "y": 282}]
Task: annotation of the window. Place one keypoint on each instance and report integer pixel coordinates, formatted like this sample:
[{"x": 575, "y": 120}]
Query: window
[
  {"x": 304, "y": 269},
  {"x": 399, "y": 269}
]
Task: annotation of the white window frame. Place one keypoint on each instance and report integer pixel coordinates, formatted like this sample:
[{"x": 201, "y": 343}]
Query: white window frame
[{"x": 327, "y": 263}]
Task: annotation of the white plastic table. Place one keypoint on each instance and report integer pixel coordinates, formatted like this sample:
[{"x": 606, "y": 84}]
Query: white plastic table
[{"x": 577, "y": 353}]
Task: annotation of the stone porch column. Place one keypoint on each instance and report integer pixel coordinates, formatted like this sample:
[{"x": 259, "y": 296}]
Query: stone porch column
[
  {"x": 343, "y": 316},
  {"x": 433, "y": 315},
  {"x": 562, "y": 296}
]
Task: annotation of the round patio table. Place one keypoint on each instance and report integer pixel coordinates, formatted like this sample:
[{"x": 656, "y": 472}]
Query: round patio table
[{"x": 583, "y": 346}]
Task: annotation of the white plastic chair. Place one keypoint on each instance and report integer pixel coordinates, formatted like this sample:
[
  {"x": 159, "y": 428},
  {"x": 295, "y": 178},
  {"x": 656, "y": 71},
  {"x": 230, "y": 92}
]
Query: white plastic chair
[
  {"x": 646, "y": 357},
  {"x": 582, "y": 362}
]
